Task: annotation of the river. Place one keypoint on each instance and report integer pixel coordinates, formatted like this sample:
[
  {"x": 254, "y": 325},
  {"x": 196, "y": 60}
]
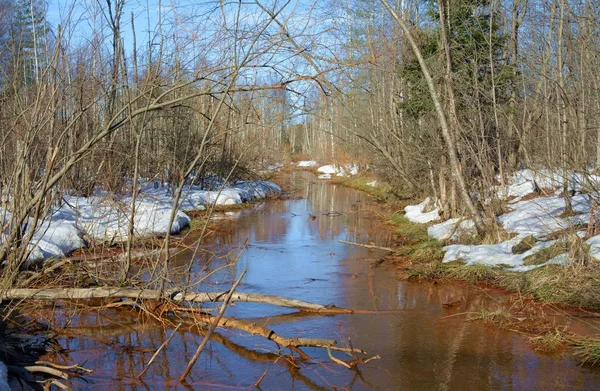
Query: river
[{"x": 290, "y": 248}]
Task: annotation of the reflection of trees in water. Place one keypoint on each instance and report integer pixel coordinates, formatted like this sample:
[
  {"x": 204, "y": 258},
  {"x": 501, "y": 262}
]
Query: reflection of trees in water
[{"x": 357, "y": 214}]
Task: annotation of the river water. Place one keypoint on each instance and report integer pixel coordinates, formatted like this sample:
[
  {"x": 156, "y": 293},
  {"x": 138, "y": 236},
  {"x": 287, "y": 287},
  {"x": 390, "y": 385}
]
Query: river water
[{"x": 290, "y": 248}]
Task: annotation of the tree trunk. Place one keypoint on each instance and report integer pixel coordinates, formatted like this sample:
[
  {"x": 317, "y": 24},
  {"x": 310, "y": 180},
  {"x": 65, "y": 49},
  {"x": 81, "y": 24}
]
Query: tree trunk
[{"x": 446, "y": 132}]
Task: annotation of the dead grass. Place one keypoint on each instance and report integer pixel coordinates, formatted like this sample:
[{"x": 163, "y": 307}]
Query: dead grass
[
  {"x": 524, "y": 245},
  {"x": 500, "y": 317},
  {"x": 546, "y": 254},
  {"x": 567, "y": 232},
  {"x": 381, "y": 193},
  {"x": 573, "y": 285},
  {"x": 587, "y": 350},
  {"x": 549, "y": 342},
  {"x": 428, "y": 270},
  {"x": 475, "y": 274},
  {"x": 415, "y": 242}
]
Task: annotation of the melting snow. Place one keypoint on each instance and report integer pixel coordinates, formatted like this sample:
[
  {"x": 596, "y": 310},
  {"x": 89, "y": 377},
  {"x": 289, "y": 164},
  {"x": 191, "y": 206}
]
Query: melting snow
[
  {"x": 307, "y": 163},
  {"x": 107, "y": 219},
  {"x": 417, "y": 214},
  {"x": 539, "y": 217},
  {"x": 332, "y": 169},
  {"x": 450, "y": 229}
]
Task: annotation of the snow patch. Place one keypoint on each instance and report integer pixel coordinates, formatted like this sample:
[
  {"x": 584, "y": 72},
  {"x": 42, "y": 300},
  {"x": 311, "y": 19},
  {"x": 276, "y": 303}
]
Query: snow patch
[
  {"x": 494, "y": 254},
  {"x": 105, "y": 218},
  {"x": 594, "y": 243},
  {"x": 450, "y": 229},
  {"x": 417, "y": 214},
  {"x": 328, "y": 169},
  {"x": 542, "y": 216},
  {"x": 538, "y": 217},
  {"x": 333, "y": 169},
  {"x": 307, "y": 163}
]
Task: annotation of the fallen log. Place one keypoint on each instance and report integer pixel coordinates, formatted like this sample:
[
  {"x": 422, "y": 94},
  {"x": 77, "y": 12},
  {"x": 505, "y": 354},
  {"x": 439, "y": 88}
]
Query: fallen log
[
  {"x": 143, "y": 294},
  {"x": 255, "y": 329}
]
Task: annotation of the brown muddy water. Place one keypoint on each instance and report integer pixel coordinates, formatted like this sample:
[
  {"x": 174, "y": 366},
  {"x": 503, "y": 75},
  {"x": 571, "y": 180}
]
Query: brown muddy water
[{"x": 288, "y": 253}]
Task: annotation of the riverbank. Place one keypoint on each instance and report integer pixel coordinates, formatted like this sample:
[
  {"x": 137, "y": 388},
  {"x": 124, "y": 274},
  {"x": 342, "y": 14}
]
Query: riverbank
[
  {"x": 571, "y": 290},
  {"x": 104, "y": 218},
  {"x": 297, "y": 246}
]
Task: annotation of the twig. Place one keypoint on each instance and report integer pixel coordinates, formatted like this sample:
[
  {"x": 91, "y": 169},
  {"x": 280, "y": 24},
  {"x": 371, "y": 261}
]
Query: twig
[
  {"x": 377, "y": 357},
  {"x": 367, "y": 245},
  {"x": 75, "y": 367},
  {"x": 54, "y": 382},
  {"x": 257, "y": 384},
  {"x": 158, "y": 351},
  {"x": 47, "y": 270},
  {"x": 47, "y": 370},
  {"x": 336, "y": 360},
  {"x": 459, "y": 314},
  {"x": 211, "y": 329}
]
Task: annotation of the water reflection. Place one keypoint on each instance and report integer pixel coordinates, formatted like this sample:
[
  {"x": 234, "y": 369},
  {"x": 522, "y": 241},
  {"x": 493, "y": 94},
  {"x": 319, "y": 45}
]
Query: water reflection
[{"x": 423, "y": 342}]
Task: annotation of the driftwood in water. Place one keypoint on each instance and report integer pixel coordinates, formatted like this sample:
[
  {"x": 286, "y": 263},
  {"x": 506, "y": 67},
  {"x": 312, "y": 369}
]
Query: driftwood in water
[
  {"x": 255, "y": 329},
  {"x": 132, "y": 293},
  {"x": 367, "y": 245}
]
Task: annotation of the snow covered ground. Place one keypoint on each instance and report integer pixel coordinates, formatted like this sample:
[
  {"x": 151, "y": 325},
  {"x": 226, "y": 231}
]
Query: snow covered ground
[
  {"x": 307, "y": 163},
  {"x": 536, "y": 217},
  {"x": 417, "y": 214},
  {"x": 106, "y": 218},
  {"x": 334, "y": 169}
]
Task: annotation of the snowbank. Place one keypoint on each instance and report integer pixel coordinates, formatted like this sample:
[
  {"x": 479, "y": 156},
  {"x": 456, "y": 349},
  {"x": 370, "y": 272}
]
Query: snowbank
[
  {"x": 332, "y": 169},
  {"x": 417, "y": 214},
  {"x": 500, "y": 254},
  {"x": 451, "y": 229},
  {"x": 328, "y": 169},
  {"x": 106, "y": 218},
  {"x": 594, "y": 243},
  {"x": 538, "y": 217},
  {"x": 527, "y": 181},
  {"x": 542, "y": 216},
  {"x": 307, "y": 163}
]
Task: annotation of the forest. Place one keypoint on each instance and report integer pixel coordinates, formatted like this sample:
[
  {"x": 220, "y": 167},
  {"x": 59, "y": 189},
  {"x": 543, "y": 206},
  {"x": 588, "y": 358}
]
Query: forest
[{"x": 118, "y": 117}]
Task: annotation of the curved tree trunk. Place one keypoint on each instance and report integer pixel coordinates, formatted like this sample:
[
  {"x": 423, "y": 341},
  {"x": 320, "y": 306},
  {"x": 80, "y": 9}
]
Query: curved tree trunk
[{"x": 446, "y": 134}]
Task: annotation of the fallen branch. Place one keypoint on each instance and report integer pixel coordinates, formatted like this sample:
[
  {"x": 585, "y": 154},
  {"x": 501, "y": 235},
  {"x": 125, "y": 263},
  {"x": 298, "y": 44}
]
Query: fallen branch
[
  {"x": 367, "y": 245},
  {"x": 337, "y": 360},
  {"x": 47, "y": 370},
  {"x": 133, "y": 293},
  {"x": 255, "y": 329}
]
